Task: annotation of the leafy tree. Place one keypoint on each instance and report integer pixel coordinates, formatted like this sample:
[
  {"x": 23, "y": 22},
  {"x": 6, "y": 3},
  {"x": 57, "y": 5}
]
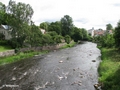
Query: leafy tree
[
  {"x": 2, "y": 36},
  {"x": 84, "y": 33},
  {"x": 44, "y": 25},
  {"x": 77, "y": 34},
  {"x": 55, "y": 26},
  {"x": 18, "y": 16},
  {"x": 109, "y": 27},
  {"x": 21, "y": 11},
  {"x": 58, "y": 39},
  {"x": 55, "y": 37},
  {"x": 47, "y": 39},
  {"x": 67, "y": 39},
  {"x": 105, "y": 41},
  {"x": 34, "y": 35},
  {"x": 2, "y": 13},
  {"x": 117, "y": 35},
  {"x": 67, "y": 25}
]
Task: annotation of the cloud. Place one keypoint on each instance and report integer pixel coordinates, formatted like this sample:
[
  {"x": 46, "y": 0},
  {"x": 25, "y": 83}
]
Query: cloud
[
  {"x": 85, "y": 13},
  {"x": 82, "y": 20},
  {"x": 116, "y": 4}
]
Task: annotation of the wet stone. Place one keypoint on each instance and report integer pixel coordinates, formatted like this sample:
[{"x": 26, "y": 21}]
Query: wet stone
[
  {"x": 80, "y": 84},
  {"x": 60, "y": 61},
  {"x": 13, "y": 78},
  {"x": 93, "y": 60}
]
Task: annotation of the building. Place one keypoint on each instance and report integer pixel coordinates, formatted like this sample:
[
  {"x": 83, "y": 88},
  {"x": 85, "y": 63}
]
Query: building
[
  {"x": 91, "y": 32},
  {"x": 99, "y": 32},
  {"x": 110, "y": 31},
  {"x": 4, "y": 29},
  {"x": 42, "y": 30}
]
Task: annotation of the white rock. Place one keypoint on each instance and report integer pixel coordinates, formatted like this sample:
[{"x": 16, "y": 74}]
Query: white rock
[{"x": 60, "y": 61}]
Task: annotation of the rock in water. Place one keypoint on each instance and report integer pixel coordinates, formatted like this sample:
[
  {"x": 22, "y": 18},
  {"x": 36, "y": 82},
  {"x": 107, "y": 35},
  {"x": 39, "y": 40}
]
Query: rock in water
[
  {"x": 97, "y": 86},
  {"x": 93, "y": 60},
  {"x": 60, "y": 61}
]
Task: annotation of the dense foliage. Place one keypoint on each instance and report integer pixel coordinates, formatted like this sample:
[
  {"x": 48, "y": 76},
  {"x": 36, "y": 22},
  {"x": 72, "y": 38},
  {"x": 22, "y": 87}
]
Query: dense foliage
[
  {"x": 117, "y": 35},
  {"x": 109, "y": 69},
  {"x": 25, "y": 33},
  {"x": 106, "y": 40}
]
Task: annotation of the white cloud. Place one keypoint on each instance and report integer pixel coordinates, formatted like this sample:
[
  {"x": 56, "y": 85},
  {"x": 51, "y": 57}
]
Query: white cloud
[{"x": 85, "y": 13}]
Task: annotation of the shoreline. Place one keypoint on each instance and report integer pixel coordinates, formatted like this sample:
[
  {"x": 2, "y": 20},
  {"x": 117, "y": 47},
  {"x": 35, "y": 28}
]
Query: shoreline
[{"x": 24, "y": 55}]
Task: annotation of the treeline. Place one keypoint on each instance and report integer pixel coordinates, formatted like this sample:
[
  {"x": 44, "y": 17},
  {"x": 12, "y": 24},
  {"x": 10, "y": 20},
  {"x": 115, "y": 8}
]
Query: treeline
[
  {"x": 25, "y": 33},
  {"x": 109, "y": 40}
]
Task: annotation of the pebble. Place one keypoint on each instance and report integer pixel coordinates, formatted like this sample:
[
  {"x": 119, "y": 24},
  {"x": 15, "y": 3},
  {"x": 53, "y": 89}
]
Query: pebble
[
  {"x": 73, "y": 69},
  {"x": 13, "y": 78},
  {"x": 80, "y": 84},
  {"x": 93, "y": 60},
  {"x": 60, "y": 61}
]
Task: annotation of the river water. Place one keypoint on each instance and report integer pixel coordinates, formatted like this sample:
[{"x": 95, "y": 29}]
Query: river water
[{"x": 67, "y": 69}]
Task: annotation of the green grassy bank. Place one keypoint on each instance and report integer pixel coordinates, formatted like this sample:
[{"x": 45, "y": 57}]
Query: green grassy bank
[
  {"x": 68, "y": 45},
  {"x": 18, "y": 57},
  {"x": 21, "y": 56},
  {"x": 109, "y": 69},
  {"x": 4, "y": 48}
]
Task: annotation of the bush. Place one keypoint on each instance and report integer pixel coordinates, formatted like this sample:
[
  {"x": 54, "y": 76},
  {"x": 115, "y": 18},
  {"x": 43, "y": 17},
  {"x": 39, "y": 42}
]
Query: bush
[
  {"x": 67, "y": 39},
  {"x": 105, "y": 41}
]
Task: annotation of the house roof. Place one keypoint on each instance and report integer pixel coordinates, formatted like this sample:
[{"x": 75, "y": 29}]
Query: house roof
[{"x": 5, "y": 27}]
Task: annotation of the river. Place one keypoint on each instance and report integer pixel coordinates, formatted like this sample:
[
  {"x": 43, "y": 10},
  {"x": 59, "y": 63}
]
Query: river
[{"x": 67, "y": 69}]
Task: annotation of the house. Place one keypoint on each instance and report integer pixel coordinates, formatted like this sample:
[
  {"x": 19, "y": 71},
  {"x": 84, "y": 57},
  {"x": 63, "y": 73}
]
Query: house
[
  {"x": 91, "y": 32},
  {"x": 99, "y": 32},
  {"x": 42, "y": 30},
  {"x": 4, "y": 29},
  {"x": 110, "y": 31}
]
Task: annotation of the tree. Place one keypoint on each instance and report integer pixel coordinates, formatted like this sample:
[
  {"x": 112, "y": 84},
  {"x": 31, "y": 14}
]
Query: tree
[
  {"x": 109, "y": 27},
  {"x": 117, "y": 35},
  {"x": 47, "y": 39},
  {"x": 2, "y": 36},
  {"x": 2, "y": 13},
  {"x": 18, "y": 16},
  {"x": 77, "y": 34},
  {"x": 58, "y": 39},
  {"x": 34, "y": 35},
  {"x": 21, "y": 11},
  {"x": 44, "y": 25},
  {"x": 67, "y": 39},
  {"x": 84, "y": 33},
  {"x": 67, "y": 25},
  {"x": 55, "y": 26}
]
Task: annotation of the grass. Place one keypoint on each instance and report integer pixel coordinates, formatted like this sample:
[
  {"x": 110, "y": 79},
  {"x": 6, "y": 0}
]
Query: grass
[
  {"x": 4, "y": 48},
  {"x": 109, "y": 69},
  {"x": 18, "y": 57},
  {"x": 68, "y": 45}
]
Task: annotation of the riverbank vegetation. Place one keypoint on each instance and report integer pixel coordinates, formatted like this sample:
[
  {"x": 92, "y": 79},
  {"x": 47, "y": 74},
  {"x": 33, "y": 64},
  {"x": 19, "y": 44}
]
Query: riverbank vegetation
[
  {"x": 23, "y": 55},
  {"x": 19, "y": 56},
  {"x": 109, "y": 69},
  {"x": 4, "y": 48},
  {"x": 24, "y": 33},
  {"x": 68, "y": 45}
]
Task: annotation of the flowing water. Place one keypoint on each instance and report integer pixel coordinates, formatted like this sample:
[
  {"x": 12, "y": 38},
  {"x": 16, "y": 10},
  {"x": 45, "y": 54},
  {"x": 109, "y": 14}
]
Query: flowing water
[{"x": 68, "y": 69}]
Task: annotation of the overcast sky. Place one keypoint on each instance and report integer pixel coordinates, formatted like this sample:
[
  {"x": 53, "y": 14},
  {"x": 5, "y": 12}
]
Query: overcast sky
[{"x": 85, "y": 13}]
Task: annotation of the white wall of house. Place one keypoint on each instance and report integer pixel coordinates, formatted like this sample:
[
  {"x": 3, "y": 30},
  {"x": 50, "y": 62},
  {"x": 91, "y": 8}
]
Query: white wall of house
[
  {"x": 91, "y": 31},
  {"x": 5, "y": 32},
  {"x": 42, "y": 30}
]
